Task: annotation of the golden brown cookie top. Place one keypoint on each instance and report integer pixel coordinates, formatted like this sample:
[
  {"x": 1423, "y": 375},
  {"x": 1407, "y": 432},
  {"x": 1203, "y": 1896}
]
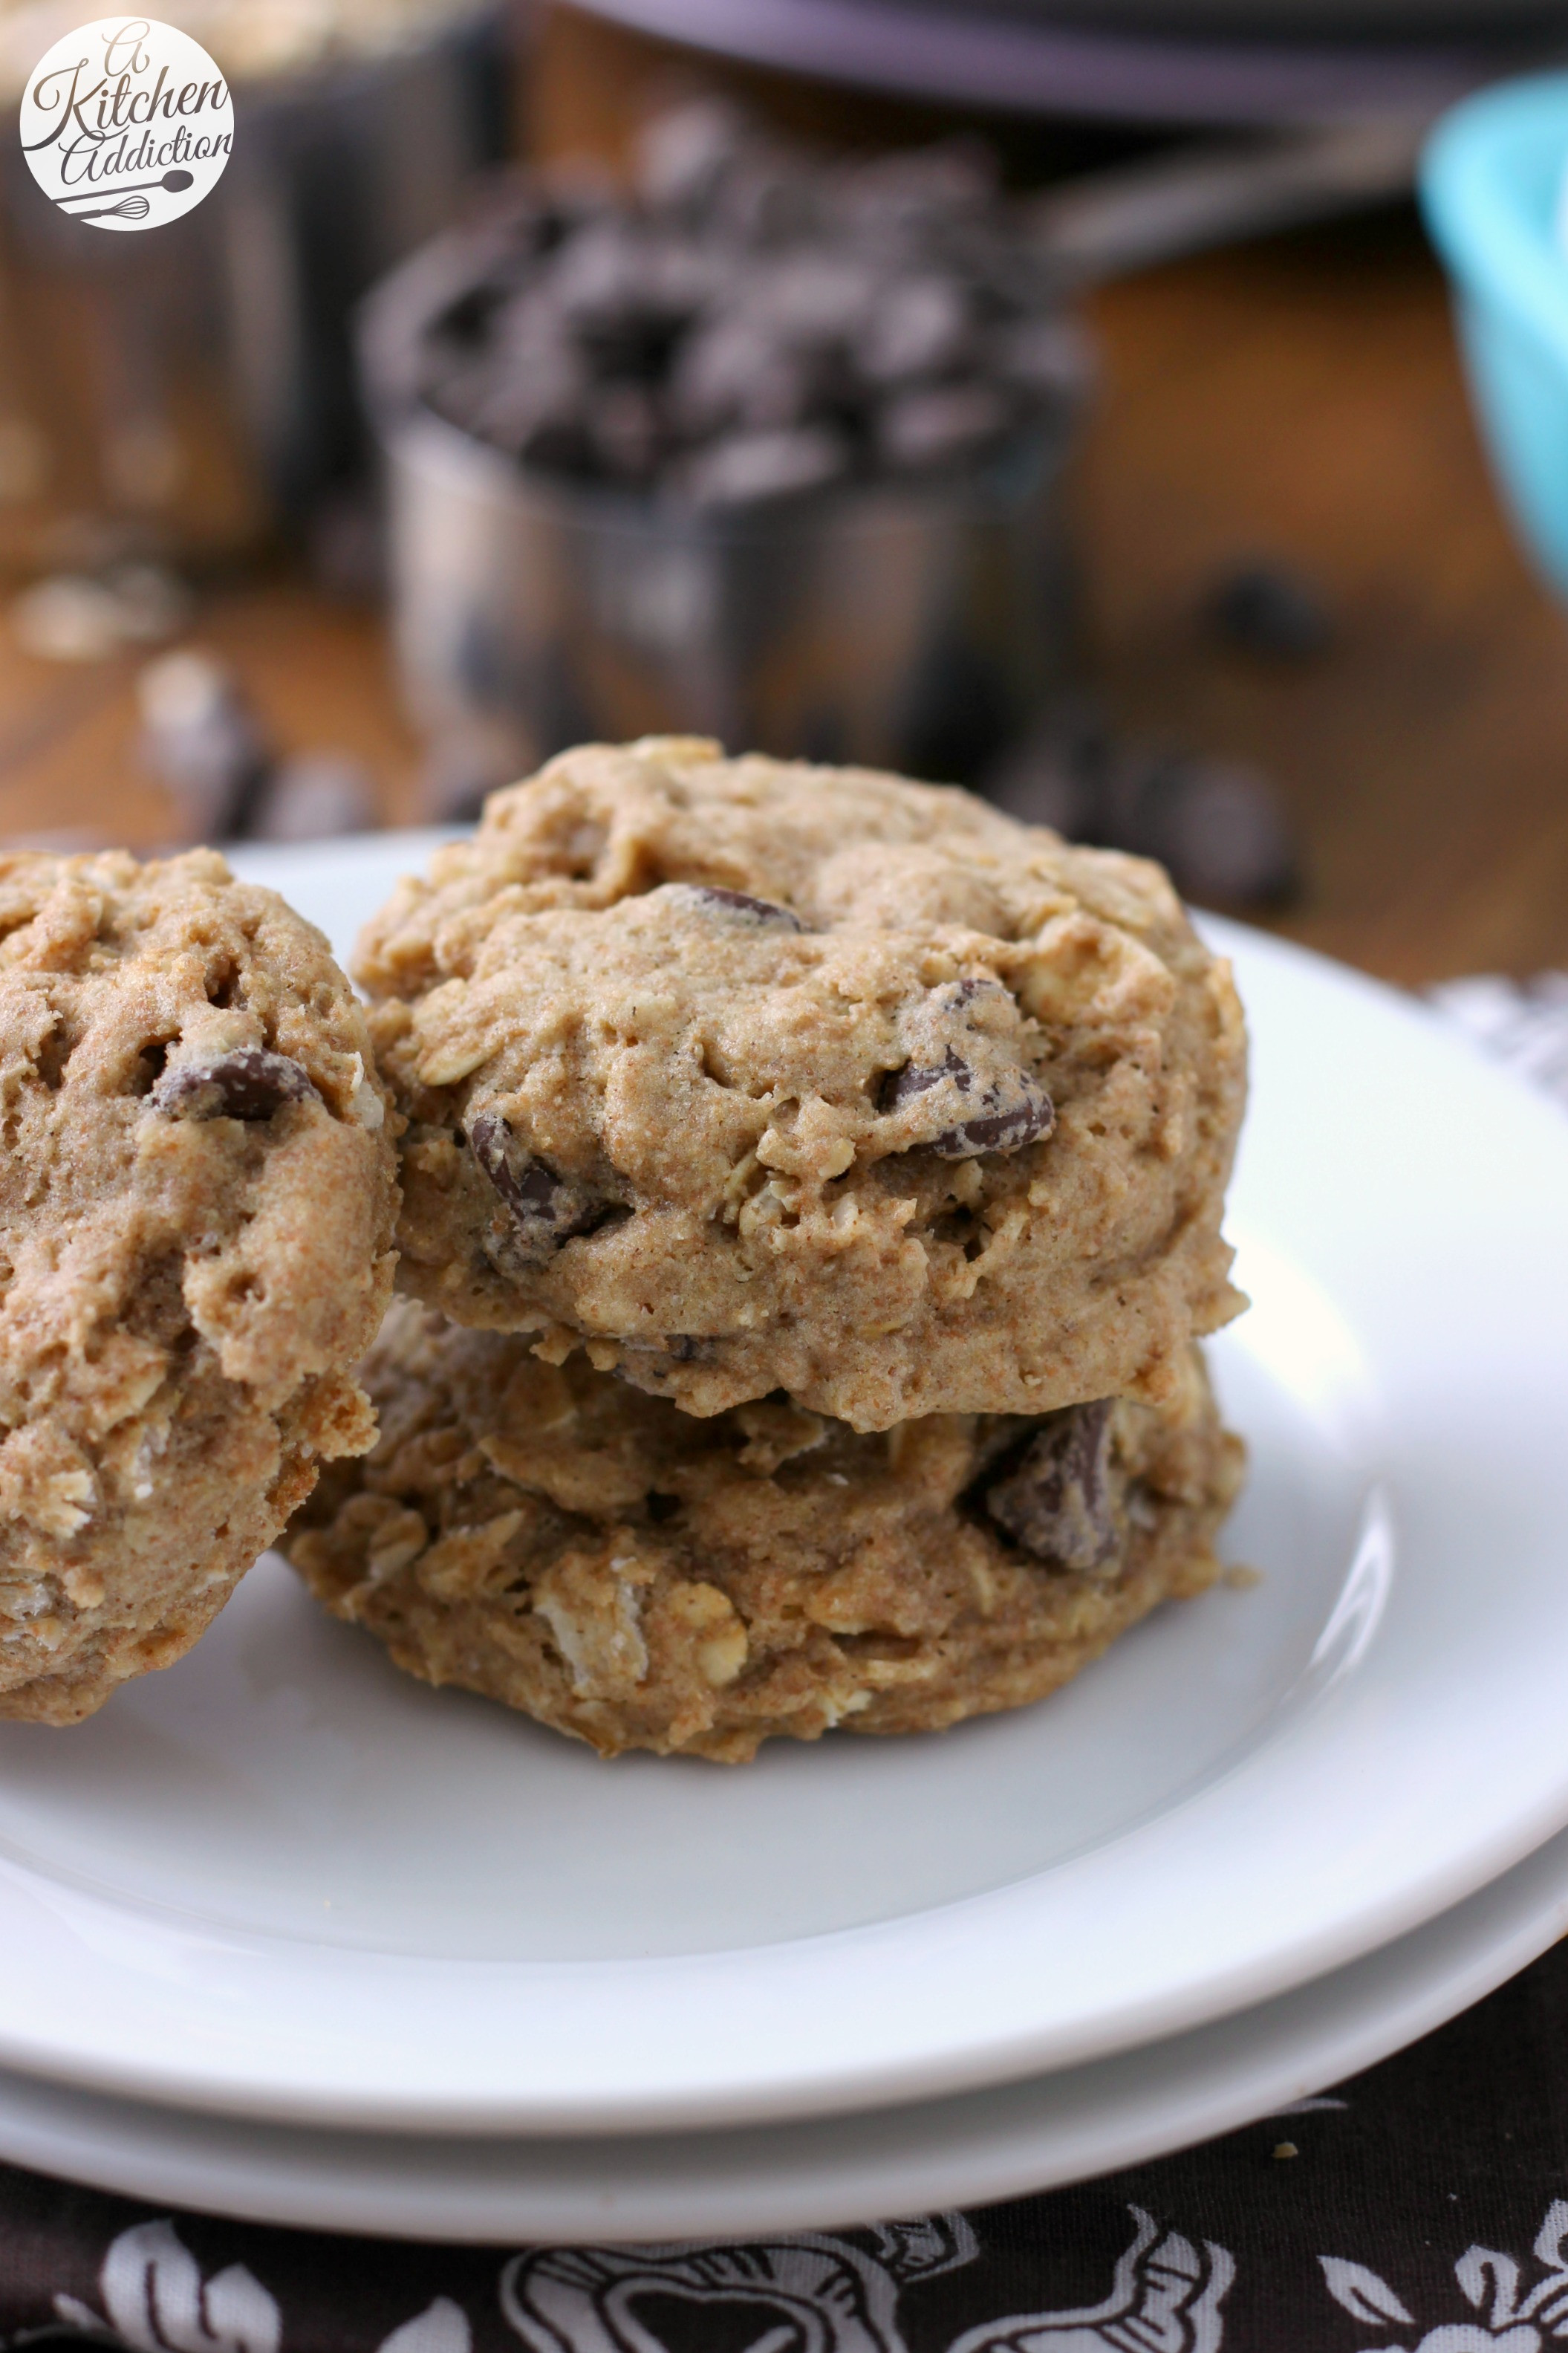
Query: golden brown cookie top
[{"x": 761, "y": 1075}]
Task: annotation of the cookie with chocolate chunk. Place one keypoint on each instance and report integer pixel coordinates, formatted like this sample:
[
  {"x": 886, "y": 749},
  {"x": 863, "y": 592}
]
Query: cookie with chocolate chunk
[
  {"x": 754, "y": 1075},
  {"x": 197, "y": 1199},
  {"x": 642, "y": 1579}
]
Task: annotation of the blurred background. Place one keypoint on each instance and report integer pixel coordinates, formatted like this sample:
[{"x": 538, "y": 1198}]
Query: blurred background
[{"x": 1061, "y": 396}]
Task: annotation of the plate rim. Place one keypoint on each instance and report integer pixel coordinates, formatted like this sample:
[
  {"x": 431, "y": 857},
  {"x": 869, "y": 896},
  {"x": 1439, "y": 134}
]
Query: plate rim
[{"x": 1007, "y": 2141}]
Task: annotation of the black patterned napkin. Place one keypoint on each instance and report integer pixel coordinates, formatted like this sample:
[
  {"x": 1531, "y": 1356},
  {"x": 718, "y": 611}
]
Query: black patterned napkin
[{"x": 1421, "y": 2207}]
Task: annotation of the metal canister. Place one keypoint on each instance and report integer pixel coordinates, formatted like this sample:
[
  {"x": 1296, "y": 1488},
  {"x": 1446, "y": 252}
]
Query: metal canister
[{"x": 919, "y": 626}]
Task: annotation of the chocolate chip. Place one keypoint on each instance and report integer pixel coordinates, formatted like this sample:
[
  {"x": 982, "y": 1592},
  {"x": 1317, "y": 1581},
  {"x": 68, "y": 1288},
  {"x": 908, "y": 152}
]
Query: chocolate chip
[
  {"x": 546, "y": 1210},
  {"x": 1059, "y": 1501},
  {"x": 740, "y": 902},
  {"x": 1270, "y": 609},
  {"x": 918, "y": 327},
  {"x": 747, "y": 469},
  {"x": 913, "y": 1081},
  {"x": 737, "y": 372},
  {"x": 812, "y": 296},
  {"x": 624, "y": 431},
  {"x": 247, "y": 1083},
  {"x": 1000, "y": 1131},
  {"x": 915, "y": 188},
  {"x": 1009, "y": 1113},
  {"x": 1219, "y": 827},
  {"x": 684, "y": 154},
  {"x": 1001, "y": 1106},
  {"x": 942, "y": 425},
  {"x": 1049, "y": 357}
]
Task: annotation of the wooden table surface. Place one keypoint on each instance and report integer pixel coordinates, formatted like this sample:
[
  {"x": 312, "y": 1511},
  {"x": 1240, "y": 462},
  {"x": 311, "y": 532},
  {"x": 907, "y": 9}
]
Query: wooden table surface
[
  {"x": 1299, "y": 399},
  {"x": 1303, "y": 399}
]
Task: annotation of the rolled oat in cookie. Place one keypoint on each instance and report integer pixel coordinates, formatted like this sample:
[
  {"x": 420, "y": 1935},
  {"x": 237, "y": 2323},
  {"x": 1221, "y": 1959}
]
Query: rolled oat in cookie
[
  {"x": 644, "y": 1579},
  {"x": 754, "y": 1075},
  {"x": 197, "y": 1199}
]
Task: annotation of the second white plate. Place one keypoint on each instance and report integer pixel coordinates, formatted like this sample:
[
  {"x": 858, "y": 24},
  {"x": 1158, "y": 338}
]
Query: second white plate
[{"x": 837, "y": 2170}]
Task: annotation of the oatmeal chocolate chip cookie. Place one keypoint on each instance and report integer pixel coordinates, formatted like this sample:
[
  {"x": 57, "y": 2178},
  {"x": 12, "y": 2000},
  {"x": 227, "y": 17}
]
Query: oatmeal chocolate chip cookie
[
  {"x": 645, "y": 1579},
  {"x": 197, "y": 1199},
  {"x": 760, "y": 1076}
]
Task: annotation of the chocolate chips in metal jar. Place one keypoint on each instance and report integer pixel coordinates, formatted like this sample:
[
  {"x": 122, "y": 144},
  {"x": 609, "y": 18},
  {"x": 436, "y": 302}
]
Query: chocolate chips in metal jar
[
  {"x": 967, "y": 1088},
  {"x": 543, "y": 1210},
  {"x": 1060, "y": 1502},
  {"x": 754, "y": 324},
  {"x": 249, "y": 1083}
]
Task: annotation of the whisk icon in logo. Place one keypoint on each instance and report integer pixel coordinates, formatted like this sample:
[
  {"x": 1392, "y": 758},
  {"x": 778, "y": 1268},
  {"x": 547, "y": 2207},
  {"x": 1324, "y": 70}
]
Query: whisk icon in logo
[{"x": 127, "y": 124}]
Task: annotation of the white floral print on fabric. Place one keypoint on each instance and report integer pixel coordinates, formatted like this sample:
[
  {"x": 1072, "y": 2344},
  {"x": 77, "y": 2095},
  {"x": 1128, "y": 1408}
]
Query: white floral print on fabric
[
  {"x": 156, "y": 2301},
  {"x": 818, "y": 2293},
  {"x": 441, "y": 2328},
  {"x": 811, "y": 2293},
  {"x": 802, "y": 2294},
  {"x": 1509, "y": 2321},
  {"x": 922, "y": 2247},
  {"x": 1165, "y": 2298}
]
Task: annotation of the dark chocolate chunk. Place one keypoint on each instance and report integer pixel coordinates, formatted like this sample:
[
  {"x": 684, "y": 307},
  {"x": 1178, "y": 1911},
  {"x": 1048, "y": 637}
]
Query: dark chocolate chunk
[
  {"x": 737, "y": 372},
  {"x": 998, "y": 1131},
  {"x": 1050, "y": 358},
  {"x": 1270, "y": 609},
  {"x": 942, "y": 425},
  {"x": 739, "y": 902},
  {"x": 918, "y": 327},
  {"x": 684, "y": 154},
  {"x": 1053, "y": 776},
  {"x": 1219, "y": 827},
  {"x": 746, "y": 469},
  {"x": 914, "y": 1080},
  {"x": 767, "y": 200},
  {"x": 921, "y": 188},
  {"x": 1227, "y": 838},
  {"x": 1059, "y": 1501},
  {"x": 561, "y": 446},
  {"x": 546, "y": 1210},
  {"x": 1009, "y": 1113},
  {"x": 249, "y": 1083},
  {"x": 812, "y": 296},
  {"x": 623, "y": 427},
  {"x": 627, "y": 295}
]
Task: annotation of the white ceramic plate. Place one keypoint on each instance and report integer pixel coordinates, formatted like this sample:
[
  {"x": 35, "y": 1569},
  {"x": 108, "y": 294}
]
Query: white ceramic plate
[
  {"x": 280, "y": 1880},
  {"x": 835, "y": 2170}
]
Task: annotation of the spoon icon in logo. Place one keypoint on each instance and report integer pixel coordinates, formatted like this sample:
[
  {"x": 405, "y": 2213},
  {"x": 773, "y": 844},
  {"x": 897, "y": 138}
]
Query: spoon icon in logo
[{"x": 139, "y": 208}]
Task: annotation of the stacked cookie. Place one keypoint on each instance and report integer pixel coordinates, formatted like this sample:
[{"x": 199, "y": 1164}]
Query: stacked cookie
[{"x": 812, "y": 1200}]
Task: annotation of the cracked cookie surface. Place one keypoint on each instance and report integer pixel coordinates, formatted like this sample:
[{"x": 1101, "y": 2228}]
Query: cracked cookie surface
[
  {"x": 641, "y": 1578},
  {"x": 197, "y": 1197},
  {"x": 754, "y": 1075}
]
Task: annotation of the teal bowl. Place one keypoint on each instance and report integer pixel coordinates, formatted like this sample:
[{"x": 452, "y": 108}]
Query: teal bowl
[{"x": 1492, "y": 178}]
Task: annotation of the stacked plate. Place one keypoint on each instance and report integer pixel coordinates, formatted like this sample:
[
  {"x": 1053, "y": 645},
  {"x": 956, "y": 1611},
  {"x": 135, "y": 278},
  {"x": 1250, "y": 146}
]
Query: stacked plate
[{"x": 287, "y": 1935}]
